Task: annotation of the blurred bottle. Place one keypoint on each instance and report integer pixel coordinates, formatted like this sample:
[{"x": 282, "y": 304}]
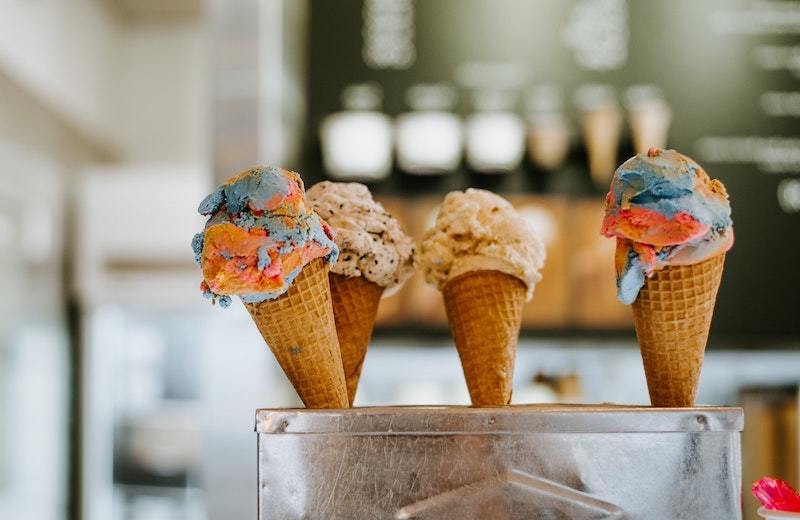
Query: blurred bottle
[
  {"x": 494, "y": 134},
  {"x": 548, "y": 131},
  {"x": 429, "y": 139},
  {"x": 357, "y": 142},
  {"x": 649, "y": 117},
  {"x": 601, "y": 125}
]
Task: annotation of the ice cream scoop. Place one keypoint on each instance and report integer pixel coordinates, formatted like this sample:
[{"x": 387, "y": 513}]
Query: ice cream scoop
[
  {"x": 485, "y": 258},
  {"x": 376, "y": 256},
  {"x": 265, "y": 244},
  {"x": 477, "y": 230},
  {"x": 371, "y": 242},
  {"x": 664, "y": 210},
  {"x": 259, "y": 236}
]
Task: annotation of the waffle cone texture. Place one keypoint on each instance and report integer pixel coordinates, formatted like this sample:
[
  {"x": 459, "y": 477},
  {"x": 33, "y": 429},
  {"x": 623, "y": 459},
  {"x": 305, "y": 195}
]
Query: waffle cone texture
[
  {"x": 299, "y": 328},
  {"x": 672, "y": 315},
  {"x": 355, "y": 305},
  {"x": 484, "y": 309}
]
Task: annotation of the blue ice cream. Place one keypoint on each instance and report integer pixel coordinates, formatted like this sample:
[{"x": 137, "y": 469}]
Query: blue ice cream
[{"x": 664, "y": 210}]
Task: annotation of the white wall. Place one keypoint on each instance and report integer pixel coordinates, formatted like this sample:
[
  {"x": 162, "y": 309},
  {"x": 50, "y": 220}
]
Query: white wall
[
  {"x": 80, "y": 86},
  {"x": 33, "y": 350},
  {"x": 61, "y": 52},
  {"x": 135, "y": 87},
  {"x": 160, "y": 109}
]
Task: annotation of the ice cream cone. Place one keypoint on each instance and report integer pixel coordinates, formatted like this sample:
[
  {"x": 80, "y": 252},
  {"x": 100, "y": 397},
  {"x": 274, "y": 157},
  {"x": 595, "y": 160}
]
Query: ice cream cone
[
  {"x": 601, "y": 133},
  {"x": 299, "y": 328},
  {"x": 355, "y": 305},
  {"x": 649, "y": 122},
  {"x": 548, "y": 141},
  {"x": 484, "y": 309},
  {"x": 672, "y": 315}
]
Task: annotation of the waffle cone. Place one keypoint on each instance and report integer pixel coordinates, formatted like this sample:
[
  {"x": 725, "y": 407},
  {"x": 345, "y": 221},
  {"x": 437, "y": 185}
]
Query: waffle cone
[
  {"x": 484, "y": 309},
  {"x": 672, "y": 315},
  {"x": 299, "y": 328},
  {"x": 355, "y": 305}
]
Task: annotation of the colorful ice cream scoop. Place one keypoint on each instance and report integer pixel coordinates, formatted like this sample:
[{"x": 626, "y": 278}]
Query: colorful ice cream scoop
[
  {"x": 477, "y": 230},
  {"x": 259, "y": 236},
  {"x": 664, "y": 210},
  {"x": 371, "y": 242}
]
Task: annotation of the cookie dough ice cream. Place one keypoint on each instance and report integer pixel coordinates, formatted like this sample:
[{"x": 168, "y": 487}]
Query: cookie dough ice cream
[{"x": 371, "y": 242}]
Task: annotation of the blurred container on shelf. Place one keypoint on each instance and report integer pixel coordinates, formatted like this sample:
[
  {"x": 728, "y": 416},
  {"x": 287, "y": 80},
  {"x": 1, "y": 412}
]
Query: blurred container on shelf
[
  {"x": 548, "y": 138},
  {"x": 649, "y": 117},
  {"x": 165, "y": 441},
  {"x": 357, "y": 142},
  {"x": 429, "y": 138},
  {"x": 494, "y": 133},
  {"x": 601, "y": 126},
  {"x": 590, "y": 269}
]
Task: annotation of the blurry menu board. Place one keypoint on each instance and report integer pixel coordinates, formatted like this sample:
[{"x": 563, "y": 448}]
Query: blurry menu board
[{"x": 729, "y": 70}]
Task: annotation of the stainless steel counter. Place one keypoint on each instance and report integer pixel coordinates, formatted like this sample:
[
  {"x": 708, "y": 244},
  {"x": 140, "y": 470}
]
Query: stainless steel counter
[{"x": 521, "y": 462}]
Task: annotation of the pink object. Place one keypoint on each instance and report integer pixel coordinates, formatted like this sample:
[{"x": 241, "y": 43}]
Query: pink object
[{"x": 776, "y": 495}]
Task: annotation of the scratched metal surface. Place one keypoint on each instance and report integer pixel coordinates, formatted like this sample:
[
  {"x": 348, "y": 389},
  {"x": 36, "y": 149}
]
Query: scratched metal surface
[{"x": 521, "y": 462}]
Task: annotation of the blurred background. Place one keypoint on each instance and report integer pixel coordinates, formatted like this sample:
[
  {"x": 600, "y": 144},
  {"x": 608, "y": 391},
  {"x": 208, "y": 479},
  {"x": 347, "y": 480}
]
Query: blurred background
[{"x": 126, "y": 396}]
